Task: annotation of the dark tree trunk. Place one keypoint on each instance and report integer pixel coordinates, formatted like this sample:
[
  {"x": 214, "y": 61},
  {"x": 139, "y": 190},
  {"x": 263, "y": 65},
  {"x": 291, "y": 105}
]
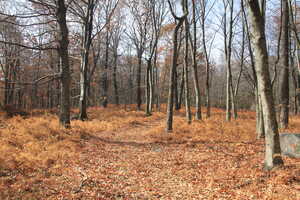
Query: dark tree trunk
[
  {"x": 176, "y": 92},
  {"x": 104, "y": 94},
  {"x": 115, "y": 82},
  {"x": 86, "y": 44},
  {"x": 63, "y": 42},
  {"x": 284, "y": 56},
  {"x": 228, "y": 52},
  {"x": 185, "y": 66},
  {"x": 148, "y": 88},
  {"x": 169, "y": 121},
  {"x": 195, "y": 67},
  {"x": 138, "y": 82}
]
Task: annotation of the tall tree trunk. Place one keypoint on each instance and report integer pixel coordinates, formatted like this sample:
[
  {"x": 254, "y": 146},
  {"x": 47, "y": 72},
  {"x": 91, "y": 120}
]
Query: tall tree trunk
[
  {"x": 260, "y": 130},
  {"x": 235, "y": 90},
  {"x": 207, "y": 65},
  {"x": 185, "y": 66},
  {"x": 148, "y": 88},
  {"x": 176, "y": 92},
  {"x": 151, "y": 88},
  {"x": 293, "y": 22},
  {"x": 169, "y": 121},
  {"x": 181, "y": 91},
  {"x": 63, "y": 42},
  {"x": 284, "y": 56},
  {"x": 104, "y": 94},
  {"x": 86, "y": 44},
  {"x": 228, "y": 43},
  {"x": 115, "y": 79},
  {"x": 273, "y": 150},
  {"x": 195, "y": 70},
  {"x": 138, "y": 81}
]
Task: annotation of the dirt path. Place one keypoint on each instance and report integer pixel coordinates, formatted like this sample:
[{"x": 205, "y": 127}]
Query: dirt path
[{"x": 128, "y": 156}]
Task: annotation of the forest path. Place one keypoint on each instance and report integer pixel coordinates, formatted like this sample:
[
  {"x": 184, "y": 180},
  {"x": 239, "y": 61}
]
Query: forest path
[
  {"x": 122, "y": 154},
  {"x": 139, "y": 160}
]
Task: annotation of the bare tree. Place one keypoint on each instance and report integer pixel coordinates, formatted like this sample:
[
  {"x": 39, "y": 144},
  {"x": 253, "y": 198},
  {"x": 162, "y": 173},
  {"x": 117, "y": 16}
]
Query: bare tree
[
  {"x": 157, "y": 13},
  {"x": 138, "y": 35},
  {"x": 85, "y": 11},
  {"x": 173, "y": 67}
]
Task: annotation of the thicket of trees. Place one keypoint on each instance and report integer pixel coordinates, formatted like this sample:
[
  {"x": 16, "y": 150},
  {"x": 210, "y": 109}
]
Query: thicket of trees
[{"x": 229, "y": 54}]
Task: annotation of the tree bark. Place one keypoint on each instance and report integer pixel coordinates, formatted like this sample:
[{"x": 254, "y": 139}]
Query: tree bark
[
  {"x": 104, "y": 93},
  {"x": 86, "y": 44},
  {"x": 185, "y": 66},
  {"x": 198, "y": 115},
  {"x": 169, "y": 121},
  {"x": 272, "y": 143},
  {"x": 115, "y": 79},
  {"x": 138, "y": 82},
  {"x": 149, "y": 88},
  {"x": 63, "y": 43},
  {"x": 228, "y": 43},
  {"x": 284, "y": 56}
]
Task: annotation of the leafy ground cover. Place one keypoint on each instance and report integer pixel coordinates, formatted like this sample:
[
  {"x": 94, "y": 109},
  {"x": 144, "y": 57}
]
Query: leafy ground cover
[{"x": 122, "y": 154}]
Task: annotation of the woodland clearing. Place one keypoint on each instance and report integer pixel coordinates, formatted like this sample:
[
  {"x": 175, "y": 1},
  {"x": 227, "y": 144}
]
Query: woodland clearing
[{"x": 122, "y": 154}]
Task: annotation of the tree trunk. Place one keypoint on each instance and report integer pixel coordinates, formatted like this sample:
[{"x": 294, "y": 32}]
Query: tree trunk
[
  {"x": 104, "y": 95},
  {"x": 138, "y": 82},
  {"x": 172, "y": 74},
  {"x": 260, "y": 128},
  {"x": 228, "y": 62},
  {"x": 63, "y": 42},
  {"x": 176, "y": 93},
  {"x": 86, "y": 44},
  {"x": 195, "y": 70},
  {"x": 148, "y": 88},
  {"x": 115, "y": 79},
  {"x": 273, "y": 150},
  {"x": 185, "y": 66},
  {"x": 284, "y": 56}
]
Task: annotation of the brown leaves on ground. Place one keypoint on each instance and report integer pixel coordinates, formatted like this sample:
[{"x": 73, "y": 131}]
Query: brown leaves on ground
[{"x": 120, "y": 154}]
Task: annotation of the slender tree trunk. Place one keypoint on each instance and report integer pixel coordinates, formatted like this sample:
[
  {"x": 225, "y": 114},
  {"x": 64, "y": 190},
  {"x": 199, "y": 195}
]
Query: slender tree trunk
[
  {"x": 181, "y": 91},
  {"x": 195, "y": 70},
  {"x": 284, "y": 55},
  {"x": 185, "y": 66},
  {"x": 138, "y": 80},
  {"x": 207, "y": 65},
  {"x": 83, "y": 87},
  {"x": 260, "y": 128},
  {"x": 86, "y": 43},
  {"x": 169, "y": 121},
  {"x": 273, "y": 150},
  {"x": 295, "y": 88},
  {"x": 104, "y": 96},
  {"x": 63, "y": 42},
  {"x": 228, "y": 43},
  {"x": 148, "y": 88},
  {"x": 151, "y": 88},
  {"x": 176, "y": 93},
  {"x": 115, "y": 79},
  {"x": 236, "y": 88}
]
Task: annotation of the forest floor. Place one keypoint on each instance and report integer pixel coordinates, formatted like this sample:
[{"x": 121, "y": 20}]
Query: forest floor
[{"x": 122, "y": 154}]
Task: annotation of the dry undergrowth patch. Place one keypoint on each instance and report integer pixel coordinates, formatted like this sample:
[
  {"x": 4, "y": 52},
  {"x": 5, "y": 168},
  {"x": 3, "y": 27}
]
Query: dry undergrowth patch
[{"x": 122, "y": 154}]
